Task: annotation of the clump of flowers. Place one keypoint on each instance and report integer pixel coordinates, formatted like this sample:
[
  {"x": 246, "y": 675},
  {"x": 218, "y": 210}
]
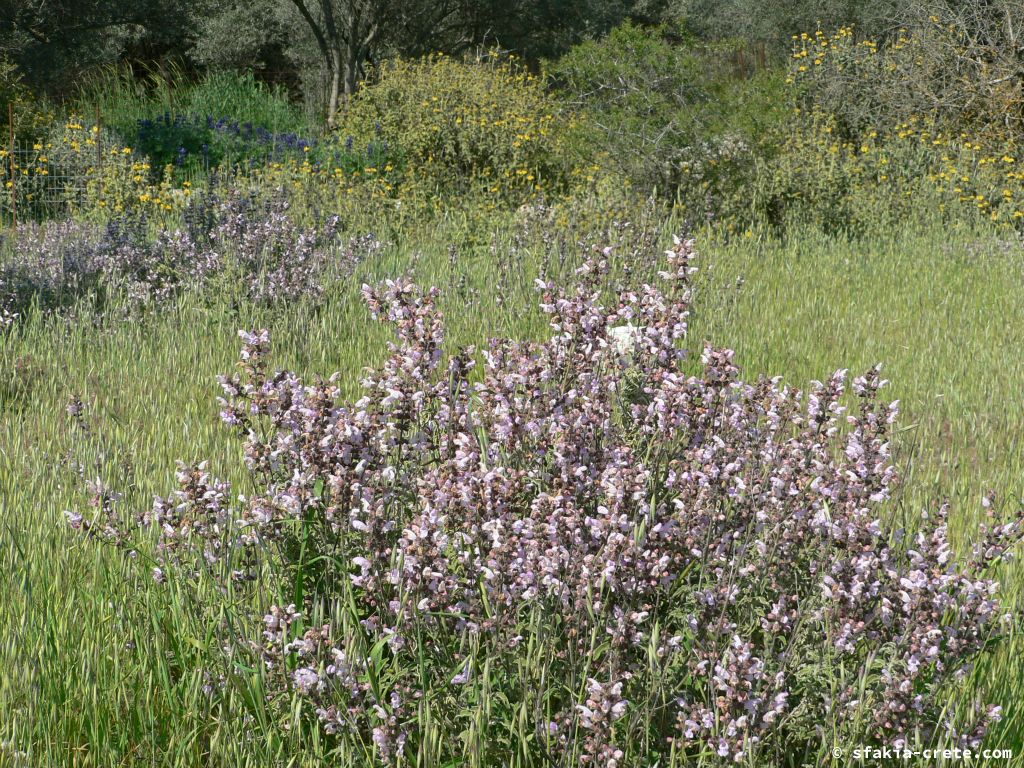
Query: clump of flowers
[
  {"x": 643, "y": 555},
  {"x": 53, "y": 265},
  {"x": 201, "y": 142},
  {"x": 485, "y": 126},
  {"x": 74, "y": 167}
]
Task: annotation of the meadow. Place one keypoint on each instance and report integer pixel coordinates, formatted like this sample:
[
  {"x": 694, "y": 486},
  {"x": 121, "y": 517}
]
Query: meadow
[{"x": 196, "y": 632}]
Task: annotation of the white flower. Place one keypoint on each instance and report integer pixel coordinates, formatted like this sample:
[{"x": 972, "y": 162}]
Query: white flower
[{"x": 624, "y": 338}]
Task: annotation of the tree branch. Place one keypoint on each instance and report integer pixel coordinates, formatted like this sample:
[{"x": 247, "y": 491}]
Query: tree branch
[{"x": 321, "y": 41}]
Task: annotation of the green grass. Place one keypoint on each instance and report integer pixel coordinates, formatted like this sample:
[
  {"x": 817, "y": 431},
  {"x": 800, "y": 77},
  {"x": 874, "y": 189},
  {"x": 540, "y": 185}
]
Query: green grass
[
  {"x": 943, "y": 312},
  {"x": 100, "y": 667},
  {"x": 123, "y": 97}
]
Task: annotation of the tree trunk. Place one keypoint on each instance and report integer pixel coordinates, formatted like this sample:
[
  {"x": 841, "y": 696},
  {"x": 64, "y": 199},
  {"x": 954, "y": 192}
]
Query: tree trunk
[
  {"x": 335, "y": 92},
  {"x": 351, "y": 72}
]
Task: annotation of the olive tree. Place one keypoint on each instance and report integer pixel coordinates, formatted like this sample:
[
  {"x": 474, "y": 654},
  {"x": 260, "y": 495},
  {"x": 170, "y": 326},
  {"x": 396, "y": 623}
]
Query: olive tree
[{"x": 52, "y": 40}]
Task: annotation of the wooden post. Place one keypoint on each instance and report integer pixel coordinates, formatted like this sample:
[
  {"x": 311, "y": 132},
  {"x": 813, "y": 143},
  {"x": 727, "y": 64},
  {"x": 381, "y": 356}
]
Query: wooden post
[
  {"x": 14, "y": 180},
  {"x": 99, "y": 152}
]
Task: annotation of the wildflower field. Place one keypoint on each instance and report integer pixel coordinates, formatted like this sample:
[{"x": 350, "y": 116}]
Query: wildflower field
[{"x": 497, "y": 427}]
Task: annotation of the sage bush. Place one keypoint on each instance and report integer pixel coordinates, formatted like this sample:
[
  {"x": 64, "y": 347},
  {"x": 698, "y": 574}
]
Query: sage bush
[{"x": 585, "y": 550}]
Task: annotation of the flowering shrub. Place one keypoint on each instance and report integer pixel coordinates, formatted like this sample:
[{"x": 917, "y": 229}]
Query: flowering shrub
[
  {"x": 55, "y": 264},
  {"x": 864, "y": 147},
  {"x": 80, "y": 168},
  {"x": 590, "y": 550},
  {"x": 954, "y": 63},
  {"x": 486, "y": 126},
  {"x": 887, "y": 176},
  {"x": 182, "y": 139}
]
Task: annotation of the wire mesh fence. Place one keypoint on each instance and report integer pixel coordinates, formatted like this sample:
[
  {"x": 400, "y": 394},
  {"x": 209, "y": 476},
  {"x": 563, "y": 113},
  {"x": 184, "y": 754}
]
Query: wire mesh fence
[
  {"x": 74, "y": 164},
  {"x": 45, "y": 177},
  {"x": 82, "y": 163},
  {"x": 34, "y": 186}
]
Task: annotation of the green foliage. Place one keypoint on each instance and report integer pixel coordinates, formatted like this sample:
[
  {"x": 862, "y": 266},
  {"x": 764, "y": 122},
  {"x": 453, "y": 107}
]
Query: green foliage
[
  {"x": 744, "y": 126},
  {"x": 663, "y": 112},
  {"x": 482, "y": 126},
  {"x": 886, "y": 178},
  {"x": 56, "y": 42},
  {"x": 952, "y": 64},
  {"x": 549, "y": 28},
  {"x": 883, "y": 132},
  {"x": 125, "y": 97},
  {"x": 193, "y": 124},
  {"x": 244, "y": 97},
  {"x": 29, "y": 113},
  {"x": 775, "y": 21},
  {"x": 866, "y": 84},
  {"x": 239, "y": 36},
  {"x": 639, "y": 91},
  {"x": 82, "y": 168}
]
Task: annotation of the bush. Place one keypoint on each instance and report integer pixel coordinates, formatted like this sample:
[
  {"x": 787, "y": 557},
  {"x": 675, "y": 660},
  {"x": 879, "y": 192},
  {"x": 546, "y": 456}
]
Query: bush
[
  {"x": 591, "y": 550},
  {"x": 223, "y": 116},
  {"x": 838, "y": 186},
  {"x": 774, "y": 21},
  {"x": 235, "y": 245},
  {"x": 912, "y": 171},
  {"x": 639, "y": 90},
  {"x": 29, "y": 114},
  {"x": 199, "y": 143},
  {"x": 955, "y": 65},
  {"x": 125, "y": 96},
  {"x": 84, "y": 168},
  {"x": 77, "y": 167},
  {"x": 662, "y": 113},
  {"x": 483, "y": 127}
]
